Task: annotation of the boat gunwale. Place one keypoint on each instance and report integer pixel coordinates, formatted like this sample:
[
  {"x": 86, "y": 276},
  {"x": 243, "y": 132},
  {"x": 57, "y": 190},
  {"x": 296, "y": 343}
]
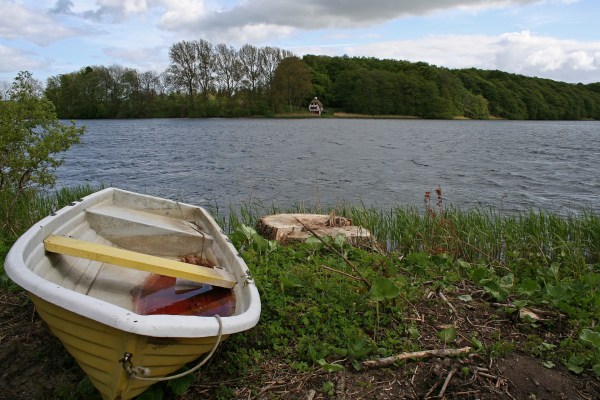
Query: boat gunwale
[{"x": 116, "y": 316}]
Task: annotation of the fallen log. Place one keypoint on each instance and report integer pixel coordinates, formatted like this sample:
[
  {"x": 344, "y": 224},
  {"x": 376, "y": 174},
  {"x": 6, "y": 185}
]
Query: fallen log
[{"x": 383, "y": 362}]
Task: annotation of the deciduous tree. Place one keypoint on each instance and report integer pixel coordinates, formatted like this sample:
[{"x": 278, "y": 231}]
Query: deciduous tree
[
  {"x": 31, "y": 138},
  {"x": 292, "y": 82}
]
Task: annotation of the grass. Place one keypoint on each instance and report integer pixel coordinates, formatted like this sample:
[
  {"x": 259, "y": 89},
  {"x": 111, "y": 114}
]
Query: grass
[
  {"x": 530, "y": 259},
  {"x": 19, "y": 212},
  {"x": 314, "y": 318}
]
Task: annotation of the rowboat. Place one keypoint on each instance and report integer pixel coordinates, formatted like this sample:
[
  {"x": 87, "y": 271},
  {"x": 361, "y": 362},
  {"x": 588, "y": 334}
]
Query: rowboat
[{"x": 134, "y": 286}]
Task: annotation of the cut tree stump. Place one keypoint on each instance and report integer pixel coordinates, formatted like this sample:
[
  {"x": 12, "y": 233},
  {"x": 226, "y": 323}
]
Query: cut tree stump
[{"x": 283, "y": 227}]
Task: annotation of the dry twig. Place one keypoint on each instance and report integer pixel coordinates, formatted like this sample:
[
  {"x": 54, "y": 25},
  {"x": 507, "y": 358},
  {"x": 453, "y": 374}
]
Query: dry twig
[
  {"x": 446, "y": 382},
  {"x": 337, "y": 271},
  {"x": 443, "y": 297},
  {"x": 382, "y": 362}
]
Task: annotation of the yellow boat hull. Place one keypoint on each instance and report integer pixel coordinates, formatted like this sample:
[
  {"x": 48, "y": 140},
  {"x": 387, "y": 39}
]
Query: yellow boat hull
[{"x": 99, "y": 349}]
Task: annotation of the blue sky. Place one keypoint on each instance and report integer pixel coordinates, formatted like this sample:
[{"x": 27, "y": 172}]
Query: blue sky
[{"x": 556, "y": 39}]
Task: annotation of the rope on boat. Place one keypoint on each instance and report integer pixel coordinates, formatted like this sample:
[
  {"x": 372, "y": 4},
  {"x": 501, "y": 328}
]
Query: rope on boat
[{"x": 141, "y": 373}]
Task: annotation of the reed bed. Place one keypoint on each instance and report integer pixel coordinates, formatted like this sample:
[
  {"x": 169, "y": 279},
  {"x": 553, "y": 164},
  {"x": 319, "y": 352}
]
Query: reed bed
[
  {"x": 21, "y": 210},
  {"x": 520, "y": 241}
]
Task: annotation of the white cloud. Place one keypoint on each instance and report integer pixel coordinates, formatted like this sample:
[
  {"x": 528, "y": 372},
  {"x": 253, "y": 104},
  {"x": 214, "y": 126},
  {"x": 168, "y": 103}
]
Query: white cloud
[
  {"x": 516, "y": 52},
  {"x": 523, "y": 52},
  {"x": 15, "y": 60},
  {"x": 181, "y": 13},
  {"x": 17, "y": 21},
  {"x": 315, "y": 14},
  {"x": 137, "y": 33},
  {"x": 143, "y": 59}
]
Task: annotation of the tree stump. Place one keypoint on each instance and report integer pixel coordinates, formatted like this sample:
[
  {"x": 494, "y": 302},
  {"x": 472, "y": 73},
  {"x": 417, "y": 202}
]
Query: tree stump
[{"x": 282, "y": 227}]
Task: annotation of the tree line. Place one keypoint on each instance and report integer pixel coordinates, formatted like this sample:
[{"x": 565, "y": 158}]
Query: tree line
[
  {"x": 202, "y": 80},
  {"x": 206, "y": 80},
  {"x": 373, "y": 86}
]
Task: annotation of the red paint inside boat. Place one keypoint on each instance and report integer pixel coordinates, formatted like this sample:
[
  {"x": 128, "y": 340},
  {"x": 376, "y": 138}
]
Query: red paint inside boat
[{"x": 160, "y": 294}]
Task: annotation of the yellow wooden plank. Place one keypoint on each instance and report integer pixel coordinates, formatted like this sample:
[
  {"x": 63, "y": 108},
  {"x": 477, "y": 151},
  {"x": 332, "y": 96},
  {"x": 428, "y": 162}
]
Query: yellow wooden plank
[{"x": 139, "y": 261}]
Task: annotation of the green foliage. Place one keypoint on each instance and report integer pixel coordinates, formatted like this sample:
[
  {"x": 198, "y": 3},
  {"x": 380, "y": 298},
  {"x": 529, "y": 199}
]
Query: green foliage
[
  {"x": 447, "y": 335},
  {"x": 292, "y": 83},
  {"x": 313, "y": 317},
  {"x": 20, "y": 212},
  {"x": 180, "y": 385},
  {"x": 31, "y": 138},
  {"x": 205, "y": 80},
  {"x": 383, "y": 289}
]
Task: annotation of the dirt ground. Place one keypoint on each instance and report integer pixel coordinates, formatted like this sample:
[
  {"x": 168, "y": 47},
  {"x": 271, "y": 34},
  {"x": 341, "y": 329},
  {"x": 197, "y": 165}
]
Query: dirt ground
[{"x": 33, "y": 364}]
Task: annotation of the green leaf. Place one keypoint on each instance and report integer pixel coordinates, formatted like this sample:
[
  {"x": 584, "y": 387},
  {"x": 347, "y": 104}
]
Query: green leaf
[
  {"x": 447, "y": 335},
  {"x": 575, "y": 364},
  {"x": 596, "y": 369},
  {"x": 554, "y": 268},
  {"x": 421, "y": 259},
  {"x": 180, "y": 385},
  {"x": 520, "y": 303},
  {"x": 313, "y": 243},
  {"x": 465, "y": 297},
  {"x": 383, "y": 289},
  {"x": 548, "y": 364},
  {"x": 574, "y": 368},
  {"x": 494, "y": 289},
  {"x": 558, "y": 292},
  {"x": 442, "y": 259},
  {"x": 328, "y": 388},
  {"x": 154, "y": 393},
  {"x": 547, "y": 346},
  {"x": 414, "y": 332},
  {"x": 507, "y": 282},
  {"x": 247, "y": 231},
  {"x": 475, "y": 342},
  {"x": 330, "y": 367},
  {"x": 590, "y": 336},
  {"x": 340, "y": 240},
  {"x": 479, "y": 274},
  {"x": 528, "y": 287}
]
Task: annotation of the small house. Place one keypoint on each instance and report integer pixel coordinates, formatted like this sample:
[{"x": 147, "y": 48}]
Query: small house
[{"x": 315, "y": 106}]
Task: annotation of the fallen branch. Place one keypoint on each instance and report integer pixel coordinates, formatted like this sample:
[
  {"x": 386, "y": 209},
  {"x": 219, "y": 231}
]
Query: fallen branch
[
  {"x": 446, "y": 382},
  {"x": 443, "y": 297},
  {"x": 340, "y": 272},
  {"x": 383, "y": 362}
]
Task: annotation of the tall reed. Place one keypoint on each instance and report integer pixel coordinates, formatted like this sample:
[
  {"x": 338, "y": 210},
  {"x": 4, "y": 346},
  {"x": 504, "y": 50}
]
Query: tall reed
[
  {"x": 531, "y": 239},
  {"x": 19, "y": 211}
]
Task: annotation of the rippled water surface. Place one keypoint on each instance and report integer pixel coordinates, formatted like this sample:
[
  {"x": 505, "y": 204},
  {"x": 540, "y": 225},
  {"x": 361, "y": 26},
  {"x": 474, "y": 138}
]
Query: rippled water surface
[{"x": 508, "y": 165}]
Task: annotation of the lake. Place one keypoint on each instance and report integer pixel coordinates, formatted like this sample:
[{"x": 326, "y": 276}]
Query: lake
[{"x": 507, "y": 165}]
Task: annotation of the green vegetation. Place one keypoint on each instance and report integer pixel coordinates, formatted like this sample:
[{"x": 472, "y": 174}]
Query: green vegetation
[
  {"x": 206, "y": 80},
  {"x": 313, "y": 316},
  {"x": 321, "y": 314},
  {"x": 31, "y": 139}
]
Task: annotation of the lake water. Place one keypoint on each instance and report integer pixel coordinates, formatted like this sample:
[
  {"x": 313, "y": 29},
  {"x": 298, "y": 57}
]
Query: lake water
[{"x": 507, "y": 165}]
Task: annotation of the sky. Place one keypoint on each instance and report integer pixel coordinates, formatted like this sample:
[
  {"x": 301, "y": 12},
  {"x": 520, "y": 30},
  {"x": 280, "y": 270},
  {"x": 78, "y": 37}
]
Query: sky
[{"x": 555, "y": 39}]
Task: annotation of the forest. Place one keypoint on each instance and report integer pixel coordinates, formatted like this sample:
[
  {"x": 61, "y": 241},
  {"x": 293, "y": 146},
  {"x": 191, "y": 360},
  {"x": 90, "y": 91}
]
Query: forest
[{"x": 207, "y": 80}]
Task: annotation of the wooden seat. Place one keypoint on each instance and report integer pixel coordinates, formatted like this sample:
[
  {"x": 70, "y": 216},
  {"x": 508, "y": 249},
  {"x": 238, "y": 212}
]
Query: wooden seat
[
  {"x": 138, "y": 261},
  {"x": 148, "y": 233}
]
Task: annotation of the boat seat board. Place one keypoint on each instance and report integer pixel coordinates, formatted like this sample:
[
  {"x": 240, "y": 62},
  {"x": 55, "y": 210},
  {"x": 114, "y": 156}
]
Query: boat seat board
[
  {"x": 144, "y": 218},
  {"x": 139, "y": 261}
]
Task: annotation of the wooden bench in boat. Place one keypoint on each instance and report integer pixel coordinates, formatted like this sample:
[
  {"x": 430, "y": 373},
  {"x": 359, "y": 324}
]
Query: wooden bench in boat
[
  {"x": 138, "y": 261},
  {"x": 148, "y": 233}
]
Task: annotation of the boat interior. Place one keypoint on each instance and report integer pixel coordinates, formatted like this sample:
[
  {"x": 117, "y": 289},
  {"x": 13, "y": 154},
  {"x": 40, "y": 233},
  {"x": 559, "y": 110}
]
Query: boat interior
[{"x": 159, "y": 228}]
